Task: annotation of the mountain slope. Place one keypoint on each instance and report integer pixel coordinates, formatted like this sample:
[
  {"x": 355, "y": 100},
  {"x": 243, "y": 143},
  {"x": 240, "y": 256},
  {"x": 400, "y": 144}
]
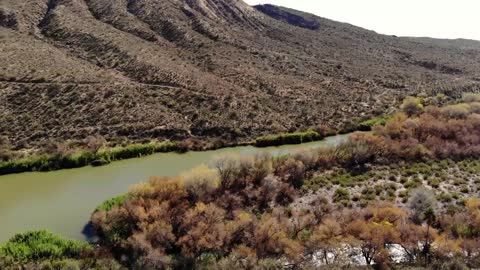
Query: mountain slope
[{"x": 143, "y": 69}]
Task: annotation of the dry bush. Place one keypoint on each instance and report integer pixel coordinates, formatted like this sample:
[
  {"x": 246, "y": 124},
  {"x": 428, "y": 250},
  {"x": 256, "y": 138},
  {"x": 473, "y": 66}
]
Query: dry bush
[
  {"x": 411, "y": 106},
  {"x": 421, "y": 200},
  {"x": 142, "y": 190},
  {"x": 292, "y": 171},
  {"x": 359, "y": 149},
  {"x": 457, "y": 111},
  {"x": 233, "y": 170},
  {"x": 5, "y": 149},
  {"x": 201, "y": 181},
  {"x": 94, "y": 143},
  {"x": 205, "y": 230},
  {"x": 262, "y": 166},
  {"x": 471, "y": 97},
  {"x": 307, "y": 157},
  {"x": 475, "y": 106}
]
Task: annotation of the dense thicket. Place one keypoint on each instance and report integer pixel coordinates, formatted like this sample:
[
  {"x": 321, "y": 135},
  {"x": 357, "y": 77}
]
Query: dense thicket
[{"x": 247, "y": 212}]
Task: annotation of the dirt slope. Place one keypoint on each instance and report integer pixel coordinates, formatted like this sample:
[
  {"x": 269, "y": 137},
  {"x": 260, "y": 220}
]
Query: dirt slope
[{"x": 143, "y": 69}]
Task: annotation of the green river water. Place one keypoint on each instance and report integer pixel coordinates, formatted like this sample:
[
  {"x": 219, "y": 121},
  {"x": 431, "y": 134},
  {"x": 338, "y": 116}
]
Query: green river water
[{"x": 62, "y": 201}]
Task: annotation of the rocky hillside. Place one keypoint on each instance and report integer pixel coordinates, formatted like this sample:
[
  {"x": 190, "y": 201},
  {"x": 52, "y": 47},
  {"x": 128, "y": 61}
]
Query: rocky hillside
[{"x": 144, "y": 69}]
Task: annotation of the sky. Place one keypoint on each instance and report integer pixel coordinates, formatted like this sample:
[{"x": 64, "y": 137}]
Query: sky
[{"x": 419, "y": 18}]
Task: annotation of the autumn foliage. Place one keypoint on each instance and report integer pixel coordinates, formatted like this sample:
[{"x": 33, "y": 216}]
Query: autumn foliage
[{"x": 249, "y": 212}]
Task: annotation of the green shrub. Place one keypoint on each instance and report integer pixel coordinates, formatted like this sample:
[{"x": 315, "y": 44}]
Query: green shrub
[
  {"x": 41, "y": 245},
  {"x": 341, "y": 195},
  {"x": 369, "y": 124},
  {"x": 110, "y": 203},
  {"x": 83, "y": 158},
  {"x": 288, "y": 138},
  {"x": 465, "y": 189},
  {"x": 434, "y": 182}
]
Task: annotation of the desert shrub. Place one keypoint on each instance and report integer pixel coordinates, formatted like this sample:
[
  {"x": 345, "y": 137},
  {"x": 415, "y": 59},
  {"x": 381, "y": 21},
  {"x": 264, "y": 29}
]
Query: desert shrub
[
  {"x": 94, "y": 143},
  {"x": 341, "y": 195},
  {"x": 421, "y": 200},
  {"x": 317, "y": 182},
  {"x": 40, "y": 245},
  {"x": 201, "y": 181},
  {"x": 475, "y": 107},
  {"x": 144, "y": 190},
  {"x": 5, "y": 149},
  {"x": 234, "y": 169},
  {"x": 411, "y": 106},
  {"x": 471, "y": 97},
  {"x": 262, "y": 166},
  {"x": 457, "y": 111},
  {"x": 434, "y": 182},
  {"x": 291, "y": 170},
  {"x": 360, "y": 148}
]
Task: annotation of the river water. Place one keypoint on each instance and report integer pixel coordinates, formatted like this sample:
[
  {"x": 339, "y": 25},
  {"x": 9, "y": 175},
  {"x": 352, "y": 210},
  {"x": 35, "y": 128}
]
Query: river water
[{"x": 62, "y": 201}]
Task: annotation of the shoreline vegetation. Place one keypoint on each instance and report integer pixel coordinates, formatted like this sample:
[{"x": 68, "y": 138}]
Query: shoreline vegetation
[
  {"x": 104, "y": 156},
  {"x": 409, "y": 184},
  {"x": 288, "y": 138},
  {"x": 51, "y": 162}
]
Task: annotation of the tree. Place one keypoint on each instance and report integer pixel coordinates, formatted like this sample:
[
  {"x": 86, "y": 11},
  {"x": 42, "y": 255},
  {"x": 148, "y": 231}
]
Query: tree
[
  {"x": 270, "y": 240},
  {"x": 292, "y": 171},
  {"x": 422, "y": 203},
  {"x": 415, "y": 238},
  {"x": 373, "y": 238},
  {"x": 204, "y": 230},
  {"x": 327, "y": 238},
  {"x": 228, "y": 168},
  {"x": 377, "y": 229}
]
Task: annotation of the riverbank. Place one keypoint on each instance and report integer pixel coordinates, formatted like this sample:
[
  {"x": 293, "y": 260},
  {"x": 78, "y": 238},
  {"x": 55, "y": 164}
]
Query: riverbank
[
  {"x": 62, "y": 201},
  {"x": 82, "y": 158},
  {"x": 49, "y": 162}
]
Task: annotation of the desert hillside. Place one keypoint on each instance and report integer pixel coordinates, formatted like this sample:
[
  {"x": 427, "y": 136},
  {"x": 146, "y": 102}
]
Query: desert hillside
[{"x": 145, "y": 69}]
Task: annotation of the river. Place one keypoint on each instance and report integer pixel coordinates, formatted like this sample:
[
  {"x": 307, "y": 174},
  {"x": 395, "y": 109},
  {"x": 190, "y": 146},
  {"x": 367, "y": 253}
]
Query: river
[{"x": 62, "y": 201}]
